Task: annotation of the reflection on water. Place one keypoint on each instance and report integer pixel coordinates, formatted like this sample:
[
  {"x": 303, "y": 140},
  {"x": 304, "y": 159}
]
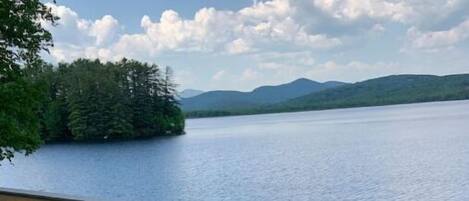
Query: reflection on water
[{"x": 404, "y": 152}]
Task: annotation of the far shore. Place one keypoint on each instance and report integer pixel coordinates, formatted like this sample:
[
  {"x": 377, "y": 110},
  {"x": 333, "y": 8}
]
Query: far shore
[{"x": 329, "y": 109}]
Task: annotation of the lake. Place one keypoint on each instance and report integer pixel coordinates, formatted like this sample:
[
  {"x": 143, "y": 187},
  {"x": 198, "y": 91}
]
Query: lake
[{"x": 401, "y": 152}]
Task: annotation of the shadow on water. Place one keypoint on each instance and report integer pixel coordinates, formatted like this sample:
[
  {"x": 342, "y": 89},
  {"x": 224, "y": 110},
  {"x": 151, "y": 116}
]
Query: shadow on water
[
  {"x": 144, "y": 165},
  {"x": 117, "y": 140}
]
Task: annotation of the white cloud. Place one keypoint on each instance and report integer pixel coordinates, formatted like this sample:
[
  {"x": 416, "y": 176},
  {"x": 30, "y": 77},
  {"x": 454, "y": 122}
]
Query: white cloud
[
  {"x": 199, "y": 34},
  {"x": 403, "y": 11},
  {"x": 75, "y": 37},
  {"x": 219, "y": 75},
  {"x": 65, "y": 52},
  {"x": 271, "y": 60},
  {"x": 266, "y": 25},
  {"x": 352, "y": 9},
  {"x": 434, "y": 40},
  {"x": 238, "y": 46},
  {"x": 260, "y": 26},
  {"x": 213, "y": 30},
  {"x": 104, "y": 29},
  {"x": 287, "y": 30},
  {"x": 70, "y": 29},
  {"x": 250, "y": 74},
  {"x": 267, "y": 10},
  {"x": 378, "y": 28}
]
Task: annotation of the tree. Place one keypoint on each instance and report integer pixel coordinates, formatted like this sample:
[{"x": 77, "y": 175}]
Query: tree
[
  {"x": 171, "y": 118},
  {"x": 91, "y": 101},
  {"x": 169, "y": 88},
  {"x": 22, "y": 37},
  {"x": 143, "y": 79}
]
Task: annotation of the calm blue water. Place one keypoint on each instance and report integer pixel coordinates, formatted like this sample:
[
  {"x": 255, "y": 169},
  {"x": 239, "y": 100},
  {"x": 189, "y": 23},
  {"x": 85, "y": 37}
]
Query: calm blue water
[{"x": 405, "y": 152}]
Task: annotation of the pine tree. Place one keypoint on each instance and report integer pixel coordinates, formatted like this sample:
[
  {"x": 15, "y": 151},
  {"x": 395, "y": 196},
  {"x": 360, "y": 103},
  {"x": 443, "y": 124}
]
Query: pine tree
[{"x": 89, "y": 100}]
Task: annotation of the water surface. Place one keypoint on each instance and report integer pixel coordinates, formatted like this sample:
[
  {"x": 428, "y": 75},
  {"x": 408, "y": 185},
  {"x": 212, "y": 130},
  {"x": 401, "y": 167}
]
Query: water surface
[{"x": 402, "y": 152}]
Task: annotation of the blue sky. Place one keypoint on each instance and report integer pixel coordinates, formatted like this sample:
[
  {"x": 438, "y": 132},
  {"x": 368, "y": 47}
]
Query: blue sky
[{"x": 216, "y": 44}]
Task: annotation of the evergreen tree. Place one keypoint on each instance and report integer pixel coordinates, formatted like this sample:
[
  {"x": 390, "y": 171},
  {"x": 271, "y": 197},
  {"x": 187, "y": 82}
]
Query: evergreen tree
[{"x": 89, "y": 100}]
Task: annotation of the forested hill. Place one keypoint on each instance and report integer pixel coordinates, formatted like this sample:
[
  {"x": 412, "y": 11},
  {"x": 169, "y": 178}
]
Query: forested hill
[
  {"x": 396, "y": 89},
  {"x": 89, "y": 100},
  {"x": 230, "y": 100},
  {"x": 188, "y": 93}
]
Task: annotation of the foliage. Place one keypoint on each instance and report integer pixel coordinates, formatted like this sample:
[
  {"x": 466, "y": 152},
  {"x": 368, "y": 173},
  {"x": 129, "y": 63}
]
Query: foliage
[
  {"x": 22, "y": 37},
  {"x": 88, "y": 100},
  {"x": 387, "y": 90},
  {"x": 210, "y": 113}
]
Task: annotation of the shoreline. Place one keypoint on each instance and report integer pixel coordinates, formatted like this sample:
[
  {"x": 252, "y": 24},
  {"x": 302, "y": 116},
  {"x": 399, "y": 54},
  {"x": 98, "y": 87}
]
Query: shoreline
[{"x": 326, "y": 109}]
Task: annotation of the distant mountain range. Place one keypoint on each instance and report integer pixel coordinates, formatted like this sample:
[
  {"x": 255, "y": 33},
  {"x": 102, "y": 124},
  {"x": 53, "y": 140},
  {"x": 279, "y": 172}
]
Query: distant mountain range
[
  {"x": 230, "y": 100},
  {"x": 304, "y": 94},
  {"x": 188, "y": 93}
]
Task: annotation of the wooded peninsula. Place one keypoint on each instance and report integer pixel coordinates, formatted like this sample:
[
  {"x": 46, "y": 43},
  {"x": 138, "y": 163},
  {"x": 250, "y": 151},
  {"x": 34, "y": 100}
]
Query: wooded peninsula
[{"x": 90, "y": 100}]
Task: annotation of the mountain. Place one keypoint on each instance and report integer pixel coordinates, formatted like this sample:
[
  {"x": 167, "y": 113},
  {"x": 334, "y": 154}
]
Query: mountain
[
  {"x": 188, "y": 93},
  {"x": 395, "y": 89},
  {"x": 279, "y": 93},
  {"x": 229, "y": 100}
]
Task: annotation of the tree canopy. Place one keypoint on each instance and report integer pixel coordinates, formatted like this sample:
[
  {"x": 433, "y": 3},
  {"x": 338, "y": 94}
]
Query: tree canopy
[
  {"x": 22, "y": 37},
  {"x": 90, "y": 100}
]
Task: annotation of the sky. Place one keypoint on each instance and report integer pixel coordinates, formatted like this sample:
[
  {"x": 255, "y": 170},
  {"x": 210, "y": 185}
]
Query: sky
[{"x": 243, "y": 44}]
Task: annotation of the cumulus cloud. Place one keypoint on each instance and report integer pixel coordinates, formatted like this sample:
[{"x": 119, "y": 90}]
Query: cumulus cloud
[
  {"x": 104, "y": 29},
  {"x": 265, "y": 25},
  {"x": 208, "y": 28},
  {"x": 238, "y": 46},
  {"x": 75, "y": 37},
  {"x": 269, "y": 9},
  {"x": 260, "y": 26},
  {"x": 434, "y": 40},
  {"x": 74, "y": 30},
  {"x": 352, "y": 9},
  {"x": 214, "y": 30},
  {"x": 416, "y": 12},
  {"x": 70, "y": 29}
]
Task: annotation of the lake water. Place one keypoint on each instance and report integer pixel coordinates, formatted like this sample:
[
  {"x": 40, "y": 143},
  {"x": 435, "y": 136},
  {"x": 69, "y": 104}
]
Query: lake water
[{"x": 402, "y": 152}]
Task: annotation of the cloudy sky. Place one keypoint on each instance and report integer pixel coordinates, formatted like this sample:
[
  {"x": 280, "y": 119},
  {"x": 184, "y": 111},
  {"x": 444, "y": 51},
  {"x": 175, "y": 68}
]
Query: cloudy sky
[{"x": 226, "y": 44}]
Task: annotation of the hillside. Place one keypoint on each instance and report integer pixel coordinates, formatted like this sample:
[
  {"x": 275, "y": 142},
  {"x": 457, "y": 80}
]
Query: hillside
[
  {"x": 235, "y": 100},
  {"x": 188, "y": 93},
  {"x": 395, "y": 89}
]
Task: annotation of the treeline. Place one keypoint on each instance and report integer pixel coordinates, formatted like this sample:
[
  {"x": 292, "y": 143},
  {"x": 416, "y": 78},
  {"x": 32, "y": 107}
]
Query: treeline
[
  {"x": 88, "y": 100},
  {"x": 209, "y": 113}
]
